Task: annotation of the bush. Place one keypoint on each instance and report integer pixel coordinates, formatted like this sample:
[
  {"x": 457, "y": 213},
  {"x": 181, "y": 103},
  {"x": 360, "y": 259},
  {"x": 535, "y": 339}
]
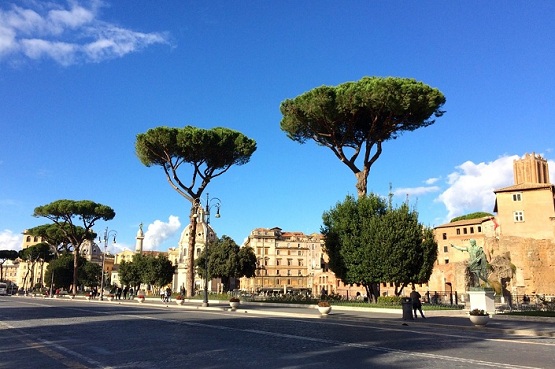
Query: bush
[{"x": 389, "y": 300}]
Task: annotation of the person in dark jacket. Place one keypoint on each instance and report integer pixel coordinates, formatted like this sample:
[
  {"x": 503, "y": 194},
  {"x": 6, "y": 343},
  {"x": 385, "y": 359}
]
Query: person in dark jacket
[{"x": 416, "y": 303}]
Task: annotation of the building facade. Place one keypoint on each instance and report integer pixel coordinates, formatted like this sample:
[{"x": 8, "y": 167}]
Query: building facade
[
  {"x": 292, "y": 262},
  {"x": 519, "y": 241}
]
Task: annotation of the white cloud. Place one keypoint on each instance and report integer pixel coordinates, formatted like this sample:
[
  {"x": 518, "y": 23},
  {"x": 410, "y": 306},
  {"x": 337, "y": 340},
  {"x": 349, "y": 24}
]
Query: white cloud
[
  {"x": 431, "y": 181},
  {"x": 158, "y": 231},
  {"x": 10, "y": 240},
  {"x": 471, "y": 186},
  {"x": 67, "y": 35}
]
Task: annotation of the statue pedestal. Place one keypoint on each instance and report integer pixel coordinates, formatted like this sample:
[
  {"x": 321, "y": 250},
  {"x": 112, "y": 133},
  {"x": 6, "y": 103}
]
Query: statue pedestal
[{"x": 482, "y": 299}]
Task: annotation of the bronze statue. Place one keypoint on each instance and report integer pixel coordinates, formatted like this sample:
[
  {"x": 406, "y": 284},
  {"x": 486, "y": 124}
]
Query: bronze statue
[{"x": 477, "y": 265}]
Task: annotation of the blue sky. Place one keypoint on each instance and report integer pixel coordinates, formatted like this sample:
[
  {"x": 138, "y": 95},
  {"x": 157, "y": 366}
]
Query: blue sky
[{"x": 80, "y": 79}]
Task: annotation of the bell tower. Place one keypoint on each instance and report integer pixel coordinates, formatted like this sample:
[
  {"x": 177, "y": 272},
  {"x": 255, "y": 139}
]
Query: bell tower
[{"x": 531, "y": 168}]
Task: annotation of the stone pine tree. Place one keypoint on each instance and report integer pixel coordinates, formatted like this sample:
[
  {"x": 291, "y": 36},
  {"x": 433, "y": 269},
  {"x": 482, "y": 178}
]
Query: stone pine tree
[
  {"x": 355, "y": 118},
  {"x": 55, "y": 236},
  {"x": 75, "y": 220},
  {"x": 369, "y": 242},
  {"x": 6, "y": 255},
  {"x": 209, "y": 152}
]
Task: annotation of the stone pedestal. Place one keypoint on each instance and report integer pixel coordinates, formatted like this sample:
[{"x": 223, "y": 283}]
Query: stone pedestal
[{"x": 482, "y": 299}]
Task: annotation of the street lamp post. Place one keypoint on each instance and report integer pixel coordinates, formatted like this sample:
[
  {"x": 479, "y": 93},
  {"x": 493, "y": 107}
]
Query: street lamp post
[
  {"x": 107, "y": 234},
  {"x": 209, "y": 204}
]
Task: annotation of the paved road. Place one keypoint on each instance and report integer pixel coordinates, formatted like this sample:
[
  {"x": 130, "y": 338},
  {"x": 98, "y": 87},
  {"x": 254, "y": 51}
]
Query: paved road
[{"x": 63, "y": 333}]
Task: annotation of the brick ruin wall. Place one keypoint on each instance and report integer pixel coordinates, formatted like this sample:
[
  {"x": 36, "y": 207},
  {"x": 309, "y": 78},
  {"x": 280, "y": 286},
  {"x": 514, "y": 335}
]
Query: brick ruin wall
[{"x": 533, "y": 260}]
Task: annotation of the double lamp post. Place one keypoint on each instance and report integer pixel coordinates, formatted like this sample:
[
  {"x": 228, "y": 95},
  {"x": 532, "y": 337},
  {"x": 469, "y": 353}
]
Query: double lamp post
[
  {"x": 107, "y": 235},
  {"x": 199, "y": 209}
]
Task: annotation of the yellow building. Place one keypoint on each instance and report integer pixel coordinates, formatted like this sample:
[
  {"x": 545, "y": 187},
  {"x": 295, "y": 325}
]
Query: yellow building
[
  {"x": 527, "y": 208},
  {"x": 292, "y": 262},
  {"x": 521, "y": 235},
  {"x": 29, "y": 274}
]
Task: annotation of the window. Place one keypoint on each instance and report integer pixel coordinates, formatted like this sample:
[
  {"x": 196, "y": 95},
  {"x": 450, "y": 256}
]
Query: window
[
  {"x": 446, "y": 261},
  {"x": 277, "y": 272},
  {"x": 288, "y": 272},
  {"x": 299, "y": 253},
  {"x": 277, "y": 252},
  {"x": 518, "y": 216},
  {"x": 444, "y": 236},
  {"x": 445, "y": 248},
  {"x": 278, "y": 261},
  {"x": 289, "y": 262},
  {"x": 458, "y": 231},
  {"x": 471, "y": 229},
  {"x": 300, "y": 273},
  {"x": 517, "y": 197},
  {"x": 464, "y": 230},
  {"x": 479, "y": 229},
  {"x": 300, "y": 262}
]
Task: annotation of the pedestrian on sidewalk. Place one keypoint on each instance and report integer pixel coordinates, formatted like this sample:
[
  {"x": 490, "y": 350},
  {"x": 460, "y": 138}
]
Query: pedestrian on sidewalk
[{"x": 416, "y": 302}]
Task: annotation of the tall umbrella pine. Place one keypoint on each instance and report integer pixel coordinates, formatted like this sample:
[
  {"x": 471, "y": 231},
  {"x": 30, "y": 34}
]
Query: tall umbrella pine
[
  {"x": 66, "y": 213},
  {"x": 209, "y": 153},
  {"x": 355, "y": 118}
]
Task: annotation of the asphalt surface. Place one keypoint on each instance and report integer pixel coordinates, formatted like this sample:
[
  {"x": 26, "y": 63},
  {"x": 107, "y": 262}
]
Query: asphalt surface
[{"x": 445, "y": 319}]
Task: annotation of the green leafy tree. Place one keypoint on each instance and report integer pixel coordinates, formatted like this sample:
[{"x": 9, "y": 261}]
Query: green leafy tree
[
  {"x": 247, "y": 262},
  {"x": 408, "y": 247},
  {"x": 156, "y": 271},
  {"x": 39, "y": 253},
  {"x": 129, "y": 274},
  {"x": 347, "y": 229},
  {"x": 90, "y": 274},
  {"x": 356, "y": 118},
  {"x": 476, "y": 215},
  {"x": 227, "y": 260},
  {"x": 210, "y": 152},
  {"x": 6, "y": 255},
  {"x": 163, "y": 270},
  {"x": 62, "y": 268},
  {"x": 65, "y": 214},
  {"x": 369, "y": 242}
]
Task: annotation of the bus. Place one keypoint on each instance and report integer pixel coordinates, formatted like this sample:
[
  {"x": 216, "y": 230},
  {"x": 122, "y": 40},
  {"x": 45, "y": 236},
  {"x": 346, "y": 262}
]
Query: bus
[{"x": 3, "y": 288}]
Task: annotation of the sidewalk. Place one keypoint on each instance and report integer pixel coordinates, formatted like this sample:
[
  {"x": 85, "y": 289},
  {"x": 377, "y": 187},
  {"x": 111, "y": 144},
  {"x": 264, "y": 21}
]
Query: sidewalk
[{"x": 445, "y": 319}]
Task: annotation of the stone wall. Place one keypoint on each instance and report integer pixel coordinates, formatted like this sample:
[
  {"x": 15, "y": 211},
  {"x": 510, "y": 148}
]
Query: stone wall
[{"x": 533, "y": 262}]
